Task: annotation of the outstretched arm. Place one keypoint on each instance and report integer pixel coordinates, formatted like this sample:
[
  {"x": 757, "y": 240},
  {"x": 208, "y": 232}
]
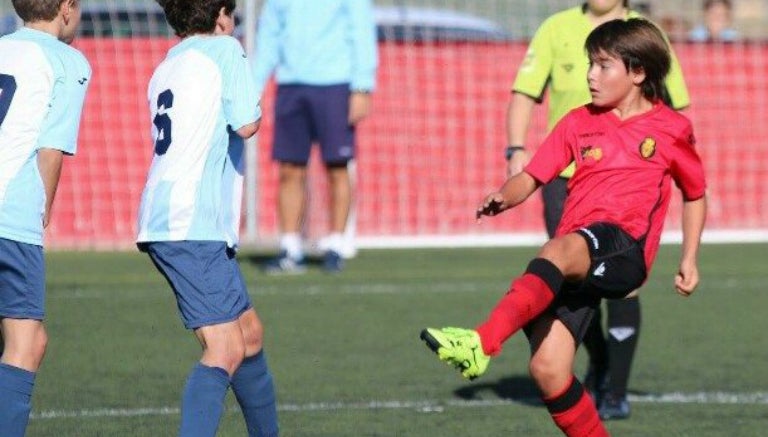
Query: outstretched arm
[
  {"x": 514, "y": 191},
  {"x": 694, "y": 214}
]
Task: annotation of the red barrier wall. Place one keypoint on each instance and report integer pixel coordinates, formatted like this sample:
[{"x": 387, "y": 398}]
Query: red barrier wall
[{"x": 430, "y": 151}]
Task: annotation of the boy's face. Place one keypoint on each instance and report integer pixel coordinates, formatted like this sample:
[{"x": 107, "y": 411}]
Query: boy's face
[
  {"x": 609, "y": 81},
  {"x": 600, "y": 7},
  {"x": 70, "y": 10}
]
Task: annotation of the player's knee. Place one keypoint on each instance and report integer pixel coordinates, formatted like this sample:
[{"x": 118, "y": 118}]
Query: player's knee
[
  {"x": 569, "y": 253},
  {"x": 40, "y": 344},
  {"x": 546, "y": 372},
  {"x": 253, "y": 340}
]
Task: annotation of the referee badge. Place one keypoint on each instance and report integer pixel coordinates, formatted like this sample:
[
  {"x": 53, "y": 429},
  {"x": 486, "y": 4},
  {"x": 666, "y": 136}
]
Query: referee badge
[{"x": 648, "y": 148}]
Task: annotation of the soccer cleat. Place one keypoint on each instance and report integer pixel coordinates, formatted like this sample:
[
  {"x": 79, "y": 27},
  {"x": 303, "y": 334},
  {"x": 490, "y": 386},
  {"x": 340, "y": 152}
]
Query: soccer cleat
[
  {"x": 458, "y": 347},
  {"x": 332, "y": 262},
  {"x": 613, "y": 407},
  {"x": 283, "y": 264}
]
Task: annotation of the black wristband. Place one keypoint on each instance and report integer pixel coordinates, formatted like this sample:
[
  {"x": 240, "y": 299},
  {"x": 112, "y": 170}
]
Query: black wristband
[{"x": 511, "y": 150}]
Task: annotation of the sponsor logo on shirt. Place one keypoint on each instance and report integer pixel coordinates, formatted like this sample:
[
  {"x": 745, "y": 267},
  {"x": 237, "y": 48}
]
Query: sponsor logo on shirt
[
  {"x": 82, "y": 81},
  {"x": 592, "y": 134},
  {"x": 591, "y": 152},
  {"x": 648, "y": 148}
]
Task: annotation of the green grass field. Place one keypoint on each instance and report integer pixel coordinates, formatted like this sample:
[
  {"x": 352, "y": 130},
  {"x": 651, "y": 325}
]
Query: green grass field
[{"x": 348, "y": 362}]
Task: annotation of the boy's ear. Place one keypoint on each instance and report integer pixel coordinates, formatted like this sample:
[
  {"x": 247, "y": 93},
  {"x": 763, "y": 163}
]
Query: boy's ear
[
  {"x": 638, "y": 76},
  {"x": 65, "y": 10}
]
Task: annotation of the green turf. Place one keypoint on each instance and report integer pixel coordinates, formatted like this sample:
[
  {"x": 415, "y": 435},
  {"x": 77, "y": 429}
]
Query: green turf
[{"x": 348, "y": 362}]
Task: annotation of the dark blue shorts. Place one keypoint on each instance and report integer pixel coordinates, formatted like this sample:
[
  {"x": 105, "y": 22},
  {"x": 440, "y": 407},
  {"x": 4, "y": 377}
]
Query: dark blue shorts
[
  {"x": 22, "y": 280},
  {"x": 205, "y": 278},
  {"x": 309, "y": 113}
]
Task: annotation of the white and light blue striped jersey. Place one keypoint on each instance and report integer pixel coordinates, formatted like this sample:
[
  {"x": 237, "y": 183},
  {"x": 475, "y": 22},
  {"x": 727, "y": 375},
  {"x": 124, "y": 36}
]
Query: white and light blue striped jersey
[
  {"x": 198, "y": 96},
  {"x": 42, "y": 89}
]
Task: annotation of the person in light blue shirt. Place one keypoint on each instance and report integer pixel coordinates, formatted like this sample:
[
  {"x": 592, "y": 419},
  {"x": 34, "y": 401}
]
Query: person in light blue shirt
[
  {"x": 203, "y": 103},
  {"x": 324, "y": 57},
  {"x": 43, "y": 82},
  {"x": 718, "y": 23}
]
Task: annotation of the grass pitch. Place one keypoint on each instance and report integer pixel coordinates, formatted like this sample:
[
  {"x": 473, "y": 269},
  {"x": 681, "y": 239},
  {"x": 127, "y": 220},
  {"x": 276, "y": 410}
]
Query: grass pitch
[{"x": 347, "y": 359}]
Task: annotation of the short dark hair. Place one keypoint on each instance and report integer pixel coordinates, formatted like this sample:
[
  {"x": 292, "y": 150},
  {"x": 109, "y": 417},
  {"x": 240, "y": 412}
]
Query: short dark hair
[
  {"x": 709, "y": 3},
  {"x": 639, "y": 44},
  {"x": 38, "y": 10},
  {"x": 188, "y": 17}
]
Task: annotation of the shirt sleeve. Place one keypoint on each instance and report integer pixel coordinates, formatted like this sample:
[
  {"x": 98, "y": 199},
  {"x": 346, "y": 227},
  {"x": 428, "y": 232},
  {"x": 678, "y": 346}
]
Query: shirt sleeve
[
  {"x": 267, "y": 54},
  {"x": 534, "y": 72},
  {"x": 686, "y": 167},
  {"x": 554, "y": 154},
  {"x": 364, "y": 49},
  {"x": 61, "y": 125},
  {"x": 241, "y": 100}
]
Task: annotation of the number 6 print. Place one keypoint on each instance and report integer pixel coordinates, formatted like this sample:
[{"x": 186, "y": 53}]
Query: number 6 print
[
  {"x": 162, "y": 122},
  {"x": 7, "y": 90}
]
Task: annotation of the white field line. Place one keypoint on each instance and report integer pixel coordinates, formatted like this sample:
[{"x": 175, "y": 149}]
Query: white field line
[
  {"x": 372, "y": 287},
  {"x": 426, "y": 406}
]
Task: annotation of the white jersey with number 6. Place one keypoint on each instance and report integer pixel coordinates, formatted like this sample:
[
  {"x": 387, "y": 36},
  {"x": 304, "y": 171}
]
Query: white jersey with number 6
[{"x": 198, "y": 96}]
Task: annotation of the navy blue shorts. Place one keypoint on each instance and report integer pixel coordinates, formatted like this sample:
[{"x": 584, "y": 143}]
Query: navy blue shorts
[
  {"x": 309, "y": 113},
  {"x": 205, "y": 277},
  {"x": 22, "y": 280}
]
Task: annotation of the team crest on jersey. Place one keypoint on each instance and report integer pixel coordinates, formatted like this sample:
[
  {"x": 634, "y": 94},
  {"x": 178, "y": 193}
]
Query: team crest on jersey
[
  {"x": 591, "y": 152},
  {"x": 567, "y": 67},
  {"x": 648, "y": 148}
]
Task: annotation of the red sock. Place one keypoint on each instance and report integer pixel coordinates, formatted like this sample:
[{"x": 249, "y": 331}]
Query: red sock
[
  {"x": 528, "y": 297},
  {"x": 575, "y": 413}
]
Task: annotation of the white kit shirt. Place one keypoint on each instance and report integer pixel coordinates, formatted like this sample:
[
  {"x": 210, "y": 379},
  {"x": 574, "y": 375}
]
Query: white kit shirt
[{"x": 198, "y": 96}]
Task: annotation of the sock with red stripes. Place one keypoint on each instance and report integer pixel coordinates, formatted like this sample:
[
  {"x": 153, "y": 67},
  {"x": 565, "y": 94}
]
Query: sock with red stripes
[
  {"x": 574, "y": 412},
  {"x": 529, "y": 296}
]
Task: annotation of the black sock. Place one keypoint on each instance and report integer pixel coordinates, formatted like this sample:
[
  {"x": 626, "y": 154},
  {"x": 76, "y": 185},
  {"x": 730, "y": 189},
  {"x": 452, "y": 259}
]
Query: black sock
[
  {"x": 594, "y": 342},
  {"x": 623, "y": 332}
]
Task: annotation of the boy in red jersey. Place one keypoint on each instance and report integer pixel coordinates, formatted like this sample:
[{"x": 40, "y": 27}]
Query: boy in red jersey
[{"x": 628, "y": 148}]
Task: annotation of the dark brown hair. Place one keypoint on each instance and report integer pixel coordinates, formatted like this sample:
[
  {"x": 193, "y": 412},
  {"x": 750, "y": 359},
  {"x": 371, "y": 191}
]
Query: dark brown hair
[
  {"x": 640, "y": 45},
  {"x": 188, "y": 17},
  {"x": 38, "y": 10}
]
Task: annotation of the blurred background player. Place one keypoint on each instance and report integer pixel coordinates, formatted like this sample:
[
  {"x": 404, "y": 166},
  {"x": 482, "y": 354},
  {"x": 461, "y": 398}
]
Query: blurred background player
[
  {"x": 609, "y": 234},
  {"x": 43, "y": 82},
  {"x": 718, "y": 23},
  {"x": 203, "y": 103},
  {"x": 324, "y": 57},
  {"x": 557, "y": 63}
]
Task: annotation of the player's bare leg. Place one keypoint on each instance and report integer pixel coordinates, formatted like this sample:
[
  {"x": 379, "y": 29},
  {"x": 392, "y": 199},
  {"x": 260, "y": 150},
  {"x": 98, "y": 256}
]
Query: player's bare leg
[
  {"x": 25, "y": 343},
  {"x": 223, "y": 345},
  {"x": 341, "y": 201},
  {"x": 252, "y": 382},
  {"x": 291, "y": 203},
  {"x": 553, "y": 349}
]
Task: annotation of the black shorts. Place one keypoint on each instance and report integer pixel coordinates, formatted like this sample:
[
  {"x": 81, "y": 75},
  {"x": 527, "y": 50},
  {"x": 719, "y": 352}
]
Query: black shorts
[{"x": 617, "y": 267}]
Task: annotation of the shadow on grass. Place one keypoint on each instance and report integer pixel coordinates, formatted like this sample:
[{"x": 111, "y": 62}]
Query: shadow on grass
[
  {"x": 513, "y": 388},
  {"x": 260, "y": 259}
]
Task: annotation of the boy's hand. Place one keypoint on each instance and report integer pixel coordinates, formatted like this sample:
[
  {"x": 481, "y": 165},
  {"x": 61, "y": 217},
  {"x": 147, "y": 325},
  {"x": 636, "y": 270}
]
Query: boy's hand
[
  {"x": 687, "y": 278},
  {"x": 493, "y": 204}
]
